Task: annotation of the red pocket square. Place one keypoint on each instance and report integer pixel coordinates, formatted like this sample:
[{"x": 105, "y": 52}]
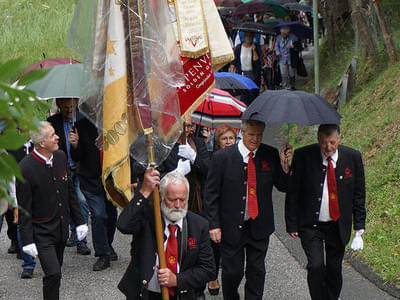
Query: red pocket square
[
  {"x": 347, "y": 173},
  {"x": 265, "y": 166},
  {"x": 192, "y": 243}
]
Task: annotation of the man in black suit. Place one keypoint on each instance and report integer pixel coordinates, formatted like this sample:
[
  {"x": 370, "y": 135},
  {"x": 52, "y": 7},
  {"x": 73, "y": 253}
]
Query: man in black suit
[
  {"x": 238, "y": 204},
  {"x": 85, "y": 143},
  {"x": 326, "y": 194},
  {"x": 193, "y": 259},
  {"x": 191, "y": 158},
  {"x": 48, "y": 196},
  {"x": 62, "y": 123}
]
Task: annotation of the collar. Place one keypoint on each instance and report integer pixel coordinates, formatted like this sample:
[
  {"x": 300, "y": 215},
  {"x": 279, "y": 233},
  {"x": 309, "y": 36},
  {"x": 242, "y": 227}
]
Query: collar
[
  {"x": 42, "y": 159},
  {"x": 245, "y": 152},
  {"x": 167, "y": 222},
  {"x": 335, "y": 157}
]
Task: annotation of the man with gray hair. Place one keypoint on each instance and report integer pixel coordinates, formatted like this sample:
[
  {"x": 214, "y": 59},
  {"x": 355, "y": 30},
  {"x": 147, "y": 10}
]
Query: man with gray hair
[
  {"x": 190, "y": 263},
  {"x": 238, "y": 205},
  {"x": 48, "y": 196}
]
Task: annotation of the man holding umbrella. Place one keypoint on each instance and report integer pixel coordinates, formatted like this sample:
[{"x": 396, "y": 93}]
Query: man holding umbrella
[
  {"x": 326, "y": 195},
  {"x": 238, "y": 205}
]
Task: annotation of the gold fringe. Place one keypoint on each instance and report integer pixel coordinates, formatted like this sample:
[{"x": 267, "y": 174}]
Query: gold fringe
[
  {"x": 198, "y": 101},
  {"x": 219, "y": 62},
  {"x": 196, "y": 54}
]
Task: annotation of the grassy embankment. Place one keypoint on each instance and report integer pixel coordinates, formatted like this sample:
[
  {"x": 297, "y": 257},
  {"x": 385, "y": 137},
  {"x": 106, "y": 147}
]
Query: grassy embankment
[
  {"x": 371, "y": 124},
  {"x": 30, "y": 28},
  {"x": 371, "y": 121}
]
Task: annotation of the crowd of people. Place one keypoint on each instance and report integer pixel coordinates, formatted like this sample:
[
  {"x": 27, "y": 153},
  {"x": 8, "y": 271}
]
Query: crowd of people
[{"x": 216, "y": 207}]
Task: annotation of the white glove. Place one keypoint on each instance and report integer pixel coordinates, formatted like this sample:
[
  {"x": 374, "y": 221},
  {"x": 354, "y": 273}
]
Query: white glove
[
  {"x": 30, "y": 249},
  {"x": 81, "y": 232},
  {"x": 357, "y": 243},
  {"x": 183, "y": 167},
  {"x": 187, "y": 152}
]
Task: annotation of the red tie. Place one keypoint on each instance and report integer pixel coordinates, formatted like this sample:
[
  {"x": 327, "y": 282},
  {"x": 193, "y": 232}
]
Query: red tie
[
  {"x": 252, "y": 204},
  {"x": 332, "y": 191},
  {"x": 171, "y": 253}
]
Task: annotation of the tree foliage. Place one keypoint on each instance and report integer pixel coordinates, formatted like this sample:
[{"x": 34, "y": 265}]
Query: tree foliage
[{"x": 19, "y": 115}]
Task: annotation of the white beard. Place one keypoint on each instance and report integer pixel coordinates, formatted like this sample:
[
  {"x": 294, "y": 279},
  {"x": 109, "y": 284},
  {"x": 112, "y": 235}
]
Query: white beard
[{"x": 173, "y": 214}]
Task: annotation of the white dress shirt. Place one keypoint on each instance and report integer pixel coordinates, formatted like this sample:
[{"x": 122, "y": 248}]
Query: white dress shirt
[
  {"x": 153, "y": 285},
  {"x": 48, "y": 161},
  {"x": 245, "y": 155},
  {"x": 324, "y": 215}
]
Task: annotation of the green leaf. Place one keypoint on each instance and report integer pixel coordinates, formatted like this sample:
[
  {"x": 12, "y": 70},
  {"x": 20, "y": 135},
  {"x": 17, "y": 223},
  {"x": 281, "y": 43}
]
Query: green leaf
[
  {"x": 12, "y": 139},
  {"x": 9, "y": 67},
  {"x": 9, "y": 167},
  {"x": 32, "y": 76}
]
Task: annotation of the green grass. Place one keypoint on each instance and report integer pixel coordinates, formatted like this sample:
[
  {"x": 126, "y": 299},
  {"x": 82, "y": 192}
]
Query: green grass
[{"x": 29, "y": 28}]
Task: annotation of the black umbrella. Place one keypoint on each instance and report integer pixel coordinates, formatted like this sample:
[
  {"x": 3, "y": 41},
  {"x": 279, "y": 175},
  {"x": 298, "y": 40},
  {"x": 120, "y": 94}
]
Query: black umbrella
[
  {"x": 286, "y": 1},
  {"x": 228, "y": 3},
  {"x": 298, "y": 7},
  {"x": 297, "y": 107},
  {"x": 301, "y": 31},
  {"x": 256, "y": 28}
]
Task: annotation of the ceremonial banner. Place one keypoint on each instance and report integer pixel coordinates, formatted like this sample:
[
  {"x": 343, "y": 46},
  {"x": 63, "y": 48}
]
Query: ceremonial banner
[
  {"x": 192, "y": 33},
  {"x": 116, "y": 140}
]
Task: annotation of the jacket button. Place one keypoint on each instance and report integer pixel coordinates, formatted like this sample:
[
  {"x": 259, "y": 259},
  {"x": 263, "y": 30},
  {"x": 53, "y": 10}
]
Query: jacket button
[
  {"x": 144, "y": 282},
  {"x": 154, "y": 267},
  {"x": 322, "y": 184},
  {"x": 62, "y": 217},
  {"x": 57, "y": 191},
  {"x": 244, "y": 197},
  {"x": 242, "y": 212},
  {"x": 244, "y": 182},
  {"x": 240, "y": 226},
  {"x": 315, "y": 225},
  {"x": 54, "y": 178},
  {"x": 317, "y": 213},
  {"x": 319, "y": 199},
  {"x": 323, "y": 170},
  {"x": 245, "y": 168},
  {"x": 59, "y": 204}
]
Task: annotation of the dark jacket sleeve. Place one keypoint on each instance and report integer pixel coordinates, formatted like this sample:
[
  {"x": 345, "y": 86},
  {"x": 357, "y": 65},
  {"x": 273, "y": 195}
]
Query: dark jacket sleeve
[
  {"x": 292, "y": 195},
  {"x": 281, "y": 179},
  {"x": 24, "y": 197},
  {"x": 133, "y": 216},
  {"x": 74, "y": 206},
  {"x": 202, "y": 161},
  {"x": 359, "y": 212},
  {"x": 213, "y": 190}
]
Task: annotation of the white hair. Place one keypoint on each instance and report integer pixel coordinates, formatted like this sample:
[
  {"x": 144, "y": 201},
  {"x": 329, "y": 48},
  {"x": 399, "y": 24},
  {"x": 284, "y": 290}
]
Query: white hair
[
  {"x": 173, "y": 177},
  {"x": 40, "y": 136},
  {"x": 247, "y": 123}
]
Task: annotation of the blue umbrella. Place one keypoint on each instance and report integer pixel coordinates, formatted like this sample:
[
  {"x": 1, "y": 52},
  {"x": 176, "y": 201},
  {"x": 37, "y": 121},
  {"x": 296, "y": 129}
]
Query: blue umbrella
[
  {"x": 234, "y": 83},
  {"x": 301, "y": 31}
]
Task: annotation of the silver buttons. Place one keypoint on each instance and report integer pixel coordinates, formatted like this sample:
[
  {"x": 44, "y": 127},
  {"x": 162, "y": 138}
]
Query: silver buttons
[
  {"x": 59, "y": 204},
  {"x": 144, "y": 282},
  {"x": 317, "y": 213},
  {"x": 242, "y": 212},
  {"x": 244, "y": 182},
  {"x": 240, "y": 226},
  {"x": 319, "y": 199},
  {"x": 244, "y": 197}
]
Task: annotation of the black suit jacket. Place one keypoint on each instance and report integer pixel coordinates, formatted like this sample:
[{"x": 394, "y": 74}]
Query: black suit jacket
[
  {"x": 57, "y": 121},
  {"x": 197, "y": 266},
  {"x": 303, "y": 200},
  {"x": 88, "y": 156},
  {"x": 48, "y": 195},
  {"x": 226, "y": 190}
]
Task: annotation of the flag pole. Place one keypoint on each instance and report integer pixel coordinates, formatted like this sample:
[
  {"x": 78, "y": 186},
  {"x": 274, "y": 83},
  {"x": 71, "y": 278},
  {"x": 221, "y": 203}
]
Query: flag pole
[{"x": 157, "y": 213}]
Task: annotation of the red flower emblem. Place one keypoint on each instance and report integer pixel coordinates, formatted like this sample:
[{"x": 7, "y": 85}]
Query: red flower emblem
[
  {"x": 265, "y": 166},
  {"x": 347, "y": 173},
  {"x": 192, "y": 243}
]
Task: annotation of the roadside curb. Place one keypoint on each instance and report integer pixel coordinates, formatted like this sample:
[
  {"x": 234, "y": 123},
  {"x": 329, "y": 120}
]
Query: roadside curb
[{"x": 368, "y": 273}]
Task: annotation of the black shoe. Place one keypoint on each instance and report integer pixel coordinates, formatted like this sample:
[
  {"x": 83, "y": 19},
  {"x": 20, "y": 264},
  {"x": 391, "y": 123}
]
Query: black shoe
[
  {"x": 102, "y": 263},
  {"x": 27, "y": 274},
  {"x": 13, "y": 247},
  {"x": 113, "y": 255},
  {"x": 82, "y": 249},
  {"x": 71, "y": 240}
]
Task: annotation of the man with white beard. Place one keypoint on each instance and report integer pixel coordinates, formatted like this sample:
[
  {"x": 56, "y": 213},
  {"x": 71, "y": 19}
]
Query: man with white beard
[{"x": 190, "y": 262}]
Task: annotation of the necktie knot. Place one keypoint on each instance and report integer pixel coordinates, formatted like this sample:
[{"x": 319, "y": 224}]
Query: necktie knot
[{"x": 172, "y": 228}]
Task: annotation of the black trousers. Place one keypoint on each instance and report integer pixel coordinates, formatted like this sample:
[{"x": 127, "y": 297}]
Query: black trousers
[
  {"x": 233, "y": 258},
  {"x": 12, "y": 228},
  {"x": 324, "y": 250},
  {"x": 51, "y": 260},
  {"x": 217, "y": 257}
]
